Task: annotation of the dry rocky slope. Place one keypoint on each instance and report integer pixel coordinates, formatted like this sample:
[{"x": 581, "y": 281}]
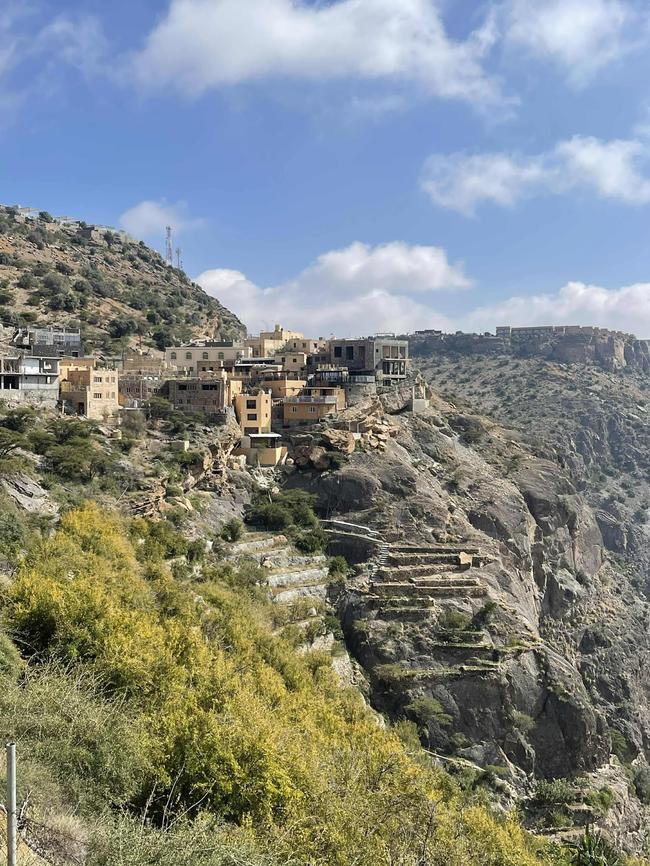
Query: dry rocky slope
[
  {"x": 118, "y": 291},
  {"x": 502, "y": 601}
]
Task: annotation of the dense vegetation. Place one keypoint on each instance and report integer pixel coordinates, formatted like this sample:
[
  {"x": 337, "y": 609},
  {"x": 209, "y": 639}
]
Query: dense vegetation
[
  {"x": 173, "y": 722},
  {"x": 116, "y": 290}
]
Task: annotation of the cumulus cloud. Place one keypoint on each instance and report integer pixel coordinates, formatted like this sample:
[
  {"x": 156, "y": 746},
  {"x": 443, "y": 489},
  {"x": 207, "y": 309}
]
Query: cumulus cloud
[
  {"x": 462, "y": 181},
  {"x": 576, "y": 303},
  {"x": 615, "y": 170},
  {"x": 204, "y": 44},
  {"x": 581, "y": 36},
  {"x": 355, "y": 290},
  {"x": 149, "y": 218}
]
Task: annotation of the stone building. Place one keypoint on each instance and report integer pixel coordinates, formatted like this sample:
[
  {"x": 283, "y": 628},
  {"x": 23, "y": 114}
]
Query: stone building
[
  {"x": 203, "y": 395},
  {"x": 270, "y": 342},
  {"x": 208, "y": 357},
  {"x": 136, "y": 388},
  {"x": 91, "y": 392}
]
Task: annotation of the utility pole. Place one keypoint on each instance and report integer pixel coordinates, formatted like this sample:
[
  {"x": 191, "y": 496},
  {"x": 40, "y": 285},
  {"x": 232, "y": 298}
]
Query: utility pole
[
  {"x": 11, "y": 804},
  {"x": 169, "y": 249}
]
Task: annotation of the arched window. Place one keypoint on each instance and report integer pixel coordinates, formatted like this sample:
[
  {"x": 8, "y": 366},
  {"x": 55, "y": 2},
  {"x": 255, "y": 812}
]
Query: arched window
[
  {"x": 173, "y": 356},
  {"x": 188, "y": 356},
  {"x": 205, "y": 356},
  {"x": 220, "y": 356}
]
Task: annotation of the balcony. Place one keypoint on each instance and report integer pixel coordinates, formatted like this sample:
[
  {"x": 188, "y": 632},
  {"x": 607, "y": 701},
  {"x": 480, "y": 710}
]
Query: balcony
[{"x": 313, "y": 400}]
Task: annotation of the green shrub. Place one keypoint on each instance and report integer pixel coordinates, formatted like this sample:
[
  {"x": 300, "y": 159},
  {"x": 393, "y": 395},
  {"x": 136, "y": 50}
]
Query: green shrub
[
  {"x": 454, "y": 620},
  {"x": 232, "y": 530},
  {"x": 313, "y": 541},
  {"x": 523, "y": 722},
  {"x": 428, "y": 711},
  {"x": 338, "y": 567},
  {"x": 601, "y": 800},
  {"x": 620, "y": 746},
  {"x": 554, "y": 792}
]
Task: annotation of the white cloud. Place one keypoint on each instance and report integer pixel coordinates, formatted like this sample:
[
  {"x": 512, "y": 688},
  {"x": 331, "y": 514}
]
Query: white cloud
[
  {"x": 612, "y": 170},
  {"x": 462, "y": 181},
  {"x": 356, "y": 290},
  {"x": 625, "y": 309},
  {"x": 581, "y": 36},
  {"x": 149, "y": 218},
  {"x": 204, "y": 44}
]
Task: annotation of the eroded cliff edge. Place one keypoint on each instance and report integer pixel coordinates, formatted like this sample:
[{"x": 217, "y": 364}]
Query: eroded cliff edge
[{"x": 495, "y": 605}]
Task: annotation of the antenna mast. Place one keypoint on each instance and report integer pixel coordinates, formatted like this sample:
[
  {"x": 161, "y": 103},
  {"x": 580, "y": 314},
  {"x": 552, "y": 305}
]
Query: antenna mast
[
  {"x": 179, "y": 260},
  {"x": 169, "y": 250}
]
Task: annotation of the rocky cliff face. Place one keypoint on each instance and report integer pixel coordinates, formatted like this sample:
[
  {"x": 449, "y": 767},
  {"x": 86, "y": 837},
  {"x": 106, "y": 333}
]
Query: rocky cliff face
[
  {"x": 610, "y": 350},
  {"x": 503, "y": 605}
]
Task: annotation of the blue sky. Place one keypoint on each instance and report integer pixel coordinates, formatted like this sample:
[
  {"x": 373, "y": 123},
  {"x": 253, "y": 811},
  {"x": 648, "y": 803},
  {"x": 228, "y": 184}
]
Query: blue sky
[{"x": 354, "y": 165}]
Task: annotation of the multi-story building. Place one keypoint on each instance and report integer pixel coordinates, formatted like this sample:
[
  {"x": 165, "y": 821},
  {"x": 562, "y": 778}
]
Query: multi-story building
[
  {"x": 203, "y": 395},
  {"x": 141, "y": 362},
  {"x": 253, "y": 412},
  {"x": 312, "y": 406},
  {"x": 27, "y": 379},
  {"x": 384, "y": 357},
  {"x": 282, "y": 386},
  {"x": 293, "y": 362},
  {"x": 53, "y": 341},
  {"x": 302, "y": 344},
  {"x": 136, "y": 388},
  {"x": 91, "y": 392},
  {"x": 194, "y": 359},
  {"x": 270, "y": 342}
]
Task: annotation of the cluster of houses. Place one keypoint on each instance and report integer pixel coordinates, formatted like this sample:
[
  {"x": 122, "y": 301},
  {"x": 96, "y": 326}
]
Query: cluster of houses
[{"x": 271, "y": 382}]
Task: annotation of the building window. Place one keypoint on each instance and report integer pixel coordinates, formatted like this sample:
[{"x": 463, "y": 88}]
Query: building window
[
  {"x": 188, "y": 356},
  {"x": 182, "y": 387},
  {"x": 97, "y": 379},
  {"x": 205, "y": 356},
  {"x": 293, "y": 408},
  {"x": 173, "y": 356},
  {"x": 338, "y": 351},
  {"x": 252, "y": 416},
  {"x": 97, "y": 396},
  {"x": 220, "y": 356},
  {"x": 251, "y": 404},
  {"x": 349, "y": 352},
  {"x": 312, "y": 409}
]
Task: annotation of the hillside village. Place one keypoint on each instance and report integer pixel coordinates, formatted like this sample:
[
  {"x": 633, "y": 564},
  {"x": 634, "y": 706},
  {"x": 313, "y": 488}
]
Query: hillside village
[{"x": 268, "y": 383}]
